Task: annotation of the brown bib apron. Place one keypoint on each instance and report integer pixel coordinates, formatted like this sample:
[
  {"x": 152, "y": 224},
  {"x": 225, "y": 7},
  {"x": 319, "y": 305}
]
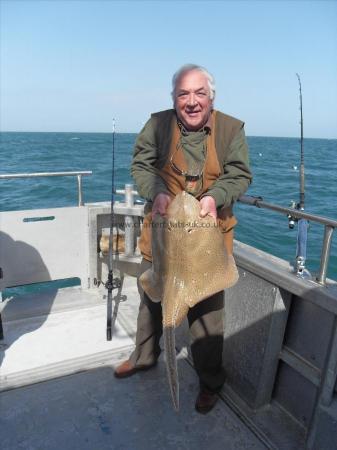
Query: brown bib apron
[{"x": 176, "y": 183}]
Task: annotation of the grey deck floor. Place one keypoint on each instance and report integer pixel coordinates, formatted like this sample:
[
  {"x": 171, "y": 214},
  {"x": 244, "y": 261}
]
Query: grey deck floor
[
  {"x": 93, "y": 410},
  {"x": 75, "y": 401}
]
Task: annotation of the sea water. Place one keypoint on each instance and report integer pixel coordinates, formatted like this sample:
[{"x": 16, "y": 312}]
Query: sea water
[{"x": 275, "y": 165}]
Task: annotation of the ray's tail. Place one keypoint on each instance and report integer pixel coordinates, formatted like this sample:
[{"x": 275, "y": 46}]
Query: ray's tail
[{"x": 171, "y": 364}]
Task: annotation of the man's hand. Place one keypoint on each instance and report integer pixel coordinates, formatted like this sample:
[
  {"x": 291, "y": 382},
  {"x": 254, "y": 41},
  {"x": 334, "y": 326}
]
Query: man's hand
[
  {"x": 160, "y": 204},
  {"x": 208, "y": 206}
]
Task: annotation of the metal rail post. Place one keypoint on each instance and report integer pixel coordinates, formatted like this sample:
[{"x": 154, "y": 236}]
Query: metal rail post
[
  {"x": 129, "y": 223},
  {"x": 79, "y": 184},
  {"x": 328, "y": 232}
]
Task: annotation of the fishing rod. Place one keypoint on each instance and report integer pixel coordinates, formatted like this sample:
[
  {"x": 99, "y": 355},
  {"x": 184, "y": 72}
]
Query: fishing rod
[
  {"x": 112, "y": 283},
  {"x": 302, "y": 192},
  {"x": 303, "y": 224}
]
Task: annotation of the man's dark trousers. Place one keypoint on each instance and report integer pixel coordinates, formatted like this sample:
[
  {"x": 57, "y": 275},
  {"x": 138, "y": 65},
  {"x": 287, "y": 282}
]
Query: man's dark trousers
[{"x": 206, "y": 331}]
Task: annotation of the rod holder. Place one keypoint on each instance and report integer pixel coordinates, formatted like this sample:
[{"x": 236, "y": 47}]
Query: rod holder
[
  {"x": 129, "y": 223},
  {"x": 79, "y": 184}
]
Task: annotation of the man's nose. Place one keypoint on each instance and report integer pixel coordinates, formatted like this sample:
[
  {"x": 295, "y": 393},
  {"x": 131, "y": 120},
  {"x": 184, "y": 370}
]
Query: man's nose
[{"x": 192, "y": 99}]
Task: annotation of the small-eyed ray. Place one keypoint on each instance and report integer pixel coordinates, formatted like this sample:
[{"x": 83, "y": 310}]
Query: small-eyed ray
[{"x": 189, "y": 264}]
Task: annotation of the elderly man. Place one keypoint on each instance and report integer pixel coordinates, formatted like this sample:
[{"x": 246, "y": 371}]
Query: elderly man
[{"x": 204, "y": 152}]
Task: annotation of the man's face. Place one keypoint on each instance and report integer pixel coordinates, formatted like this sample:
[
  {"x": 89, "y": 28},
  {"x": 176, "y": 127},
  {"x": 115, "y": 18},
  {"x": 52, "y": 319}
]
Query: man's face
[{"x": 192, "y": 100}]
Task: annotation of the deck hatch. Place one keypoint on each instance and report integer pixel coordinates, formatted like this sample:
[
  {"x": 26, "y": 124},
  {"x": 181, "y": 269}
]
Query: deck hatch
[
  {"x": 308, "y": 331},
  {"x": 295, "y": 394}
]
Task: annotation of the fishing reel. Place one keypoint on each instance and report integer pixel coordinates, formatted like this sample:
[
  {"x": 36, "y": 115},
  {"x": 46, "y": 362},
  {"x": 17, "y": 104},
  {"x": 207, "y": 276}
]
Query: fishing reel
[
  {"x": 113, "y": 283},
  {"x": 291, "y": 219}
]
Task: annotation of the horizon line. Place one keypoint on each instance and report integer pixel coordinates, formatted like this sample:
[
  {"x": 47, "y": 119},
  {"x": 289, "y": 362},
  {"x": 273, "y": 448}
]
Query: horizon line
[{"x": 133, "y": 132}]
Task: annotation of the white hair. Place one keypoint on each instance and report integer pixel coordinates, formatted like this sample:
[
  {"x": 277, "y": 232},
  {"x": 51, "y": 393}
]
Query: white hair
[{"x": 188, "y": 68}]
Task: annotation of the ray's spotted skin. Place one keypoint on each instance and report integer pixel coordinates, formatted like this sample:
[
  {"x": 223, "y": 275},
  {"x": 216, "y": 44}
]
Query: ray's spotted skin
[{"x": 189, "y": 265}]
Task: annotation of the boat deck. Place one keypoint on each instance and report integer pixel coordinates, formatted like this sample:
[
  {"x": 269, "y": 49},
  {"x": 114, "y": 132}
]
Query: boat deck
[{"x": 58, "y": 388}]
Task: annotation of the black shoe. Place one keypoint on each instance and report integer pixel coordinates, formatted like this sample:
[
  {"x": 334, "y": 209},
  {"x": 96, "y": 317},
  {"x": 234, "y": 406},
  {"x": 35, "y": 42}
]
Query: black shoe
[{"x": 206, "y": 401}]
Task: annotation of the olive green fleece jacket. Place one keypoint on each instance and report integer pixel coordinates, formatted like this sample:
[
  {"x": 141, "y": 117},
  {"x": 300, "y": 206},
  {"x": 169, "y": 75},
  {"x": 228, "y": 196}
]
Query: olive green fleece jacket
[{"x": 225, "y": 190}]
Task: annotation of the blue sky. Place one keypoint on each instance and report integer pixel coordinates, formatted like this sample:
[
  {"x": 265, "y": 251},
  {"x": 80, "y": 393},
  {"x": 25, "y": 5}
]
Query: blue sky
[{"x": 74, "y": 65}]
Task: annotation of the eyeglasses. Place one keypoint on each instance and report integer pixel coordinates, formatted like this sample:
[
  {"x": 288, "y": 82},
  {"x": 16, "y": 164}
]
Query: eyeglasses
[{"x": 188, "y": 176}]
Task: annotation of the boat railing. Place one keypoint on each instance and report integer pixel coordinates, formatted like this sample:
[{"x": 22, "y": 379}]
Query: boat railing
[
  {"x": 329, "y": 226},
  {"x": 129, "y": 201},
  {"x": 77, "y": 174}
]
